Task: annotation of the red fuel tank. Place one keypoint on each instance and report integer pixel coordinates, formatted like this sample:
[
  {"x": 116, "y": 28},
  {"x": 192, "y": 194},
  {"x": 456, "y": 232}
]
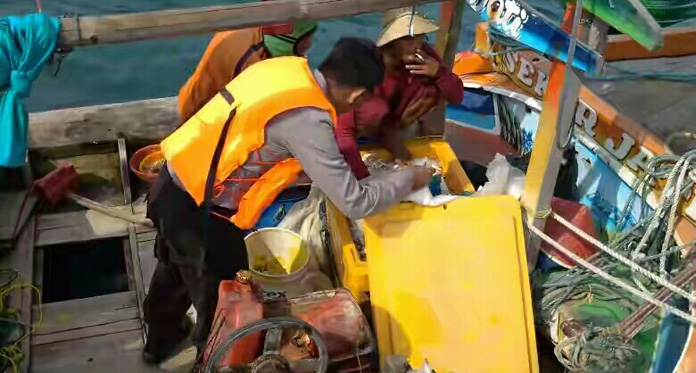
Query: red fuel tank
[
  {"x": 580, "y": 216},
  {"x": 239, "y": 304}
]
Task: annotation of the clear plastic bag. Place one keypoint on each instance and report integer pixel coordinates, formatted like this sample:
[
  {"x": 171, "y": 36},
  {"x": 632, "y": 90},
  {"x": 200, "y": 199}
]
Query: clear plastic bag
[
  {"x": 303, "y": 218},
  {"x": 502, "y": 179}
]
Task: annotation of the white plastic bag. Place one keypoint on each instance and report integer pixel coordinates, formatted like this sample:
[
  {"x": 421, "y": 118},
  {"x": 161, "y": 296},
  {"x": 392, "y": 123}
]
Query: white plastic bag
[
  {"x": 424, "y": 197},
  {"x": 502, "y": 179},
  {"x": 303, "y": 218}
]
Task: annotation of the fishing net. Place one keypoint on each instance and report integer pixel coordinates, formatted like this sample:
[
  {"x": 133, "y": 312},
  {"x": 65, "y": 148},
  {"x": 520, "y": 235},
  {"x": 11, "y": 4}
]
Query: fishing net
[{"x": 669, "y": 12}]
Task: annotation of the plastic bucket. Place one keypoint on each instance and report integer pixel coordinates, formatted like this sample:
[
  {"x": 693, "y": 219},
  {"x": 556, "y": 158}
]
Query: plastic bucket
[
  {"x": 146, "y": 162},
  {"x": 276, "y": 254}
]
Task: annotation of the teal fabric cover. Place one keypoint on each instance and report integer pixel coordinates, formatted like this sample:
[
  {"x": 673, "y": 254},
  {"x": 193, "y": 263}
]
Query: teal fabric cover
[{"x": 26, "y": 42}]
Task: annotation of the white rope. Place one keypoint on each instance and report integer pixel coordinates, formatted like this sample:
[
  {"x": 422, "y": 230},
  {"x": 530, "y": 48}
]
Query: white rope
[
  {"x": 633, "y": 265},
  {"x": 680, "y": 168},
  {"x": 683, "y": 167},
  {"x": 646, "y": 297}
]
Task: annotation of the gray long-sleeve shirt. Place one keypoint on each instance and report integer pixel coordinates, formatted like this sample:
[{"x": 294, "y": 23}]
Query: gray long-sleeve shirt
[{"x": 307, "y": 135}]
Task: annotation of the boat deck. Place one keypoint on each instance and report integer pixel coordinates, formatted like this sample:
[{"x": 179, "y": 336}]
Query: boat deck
[
  {"x": 664, "y": 107},
  {"x": 104, "y": 333},
  {"x": 87, "y": 332}
]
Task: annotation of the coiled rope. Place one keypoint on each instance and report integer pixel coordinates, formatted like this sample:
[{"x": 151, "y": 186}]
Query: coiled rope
[{"x": 611, "y": 279}]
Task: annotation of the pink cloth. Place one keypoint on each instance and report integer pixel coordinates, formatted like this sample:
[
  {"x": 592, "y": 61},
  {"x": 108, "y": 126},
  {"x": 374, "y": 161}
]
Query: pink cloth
[{"x": 388, "y": 102}]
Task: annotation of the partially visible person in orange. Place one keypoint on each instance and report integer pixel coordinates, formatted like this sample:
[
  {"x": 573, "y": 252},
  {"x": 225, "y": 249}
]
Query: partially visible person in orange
[{"x": 229, "y": 53}]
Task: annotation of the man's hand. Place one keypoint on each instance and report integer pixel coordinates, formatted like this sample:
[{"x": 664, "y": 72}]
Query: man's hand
[
  {"x": 421, "y": 176},
  {"x": 416, "y": 109},
  {"x": 422, "y": 64}
]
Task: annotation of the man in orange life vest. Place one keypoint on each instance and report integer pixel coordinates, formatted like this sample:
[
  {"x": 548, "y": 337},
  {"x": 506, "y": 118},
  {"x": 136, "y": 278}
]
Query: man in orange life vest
[{"x": 230, "y": 160}]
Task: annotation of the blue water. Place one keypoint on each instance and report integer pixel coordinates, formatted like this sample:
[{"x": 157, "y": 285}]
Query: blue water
[{"x": 150, "y": 69}]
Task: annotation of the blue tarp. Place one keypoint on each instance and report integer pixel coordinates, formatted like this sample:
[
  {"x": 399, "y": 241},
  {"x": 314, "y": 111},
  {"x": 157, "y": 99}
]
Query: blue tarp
[{"x": 26, "y": 43}]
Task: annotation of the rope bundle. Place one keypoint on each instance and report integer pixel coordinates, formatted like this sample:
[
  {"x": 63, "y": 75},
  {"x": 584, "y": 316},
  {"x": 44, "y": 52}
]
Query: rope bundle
[{"x": 644, "y": 254}]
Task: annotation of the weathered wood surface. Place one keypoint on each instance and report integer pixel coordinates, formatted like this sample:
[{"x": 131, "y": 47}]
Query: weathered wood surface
[
  {"x": 87, "y": 312},
  {"x": 678, "y": 41},
  {"x": 117, "y": 353},
  {"x": 75, "y": 226},
  {"x": 450, "y": 23},
  {"x": 112, "y": 352},
  {"x": 143, "y": 120},
  {"x": 82, "y": 333},
  {"x": 148, "y": 262},
  {"x": 84, "y": 31},
  {"x": 21, "y": 259},
  {"x": 663, "y": 107},
  {"x": 10, "y": 204}
]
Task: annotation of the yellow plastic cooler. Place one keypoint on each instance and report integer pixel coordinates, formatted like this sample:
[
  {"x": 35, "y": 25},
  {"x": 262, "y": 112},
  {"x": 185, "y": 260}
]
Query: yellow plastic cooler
[
  {"x": 447, "y": 284},
  {"x": 352, "y": 270}
]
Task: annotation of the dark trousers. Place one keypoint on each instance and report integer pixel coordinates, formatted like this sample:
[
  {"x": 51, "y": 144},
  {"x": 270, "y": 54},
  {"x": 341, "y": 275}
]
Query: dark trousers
[
  {"x": 172, "y": 291},
  {"x": 190, "y": 264}
]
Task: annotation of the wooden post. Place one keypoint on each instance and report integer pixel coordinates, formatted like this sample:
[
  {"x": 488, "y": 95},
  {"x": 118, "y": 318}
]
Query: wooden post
[
  {"x": 556, "y": 119},
  {"x": 450, "y": 23},
  {"x": 448, "y": 36},
  {"x": 119, "y": 28},
  {"x": 594, "y": 32}
]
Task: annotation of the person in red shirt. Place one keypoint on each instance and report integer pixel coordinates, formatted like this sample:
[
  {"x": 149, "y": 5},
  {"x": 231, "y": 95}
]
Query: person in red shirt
[{"x": 416, "y": 81}]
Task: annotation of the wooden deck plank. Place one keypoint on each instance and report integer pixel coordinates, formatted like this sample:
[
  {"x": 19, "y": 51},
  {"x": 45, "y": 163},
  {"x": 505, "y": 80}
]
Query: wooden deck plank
[
  {"x": 119, "y": 28},
  {"x": 54, "y": 229},
  {"x": 10, "y": 203},
  {"x": 148, "y": 262},
  {"x": 143, "y": 120},
  {"x": 80, "y": 226},
  {"x": 147, "y": 236},
  {"x": 21, "y": 259},
  {"x": 93, "y": 331},
  {"x": 87, "y": 312},
  {"x": 117, "y": 353}
]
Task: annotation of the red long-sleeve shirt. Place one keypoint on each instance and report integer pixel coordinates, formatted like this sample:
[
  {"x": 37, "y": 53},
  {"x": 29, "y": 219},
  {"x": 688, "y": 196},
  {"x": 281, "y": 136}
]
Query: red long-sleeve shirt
[{"x": 387, "y": 104}]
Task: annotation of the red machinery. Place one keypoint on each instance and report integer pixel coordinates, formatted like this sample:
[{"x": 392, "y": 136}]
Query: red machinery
[{"x": 293, "y": 334}]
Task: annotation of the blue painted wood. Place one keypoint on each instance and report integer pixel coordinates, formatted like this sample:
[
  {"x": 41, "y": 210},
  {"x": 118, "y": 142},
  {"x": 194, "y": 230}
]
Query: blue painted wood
[{"x": 519, "y": 21}]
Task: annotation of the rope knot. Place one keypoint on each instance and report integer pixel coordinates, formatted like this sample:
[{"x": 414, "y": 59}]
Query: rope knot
[{"x": 20, "y": 83}]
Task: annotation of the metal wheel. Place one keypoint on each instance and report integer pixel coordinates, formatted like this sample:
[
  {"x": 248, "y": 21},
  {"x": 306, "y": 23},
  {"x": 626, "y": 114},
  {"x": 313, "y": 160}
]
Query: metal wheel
[{"x": 272, "y": 360}]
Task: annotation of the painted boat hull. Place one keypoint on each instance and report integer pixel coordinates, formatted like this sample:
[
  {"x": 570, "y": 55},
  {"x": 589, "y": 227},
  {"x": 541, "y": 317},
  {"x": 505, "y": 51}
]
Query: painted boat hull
[
  {"x": 612, "y": 151},
  {"x": 518, "y": 21}
]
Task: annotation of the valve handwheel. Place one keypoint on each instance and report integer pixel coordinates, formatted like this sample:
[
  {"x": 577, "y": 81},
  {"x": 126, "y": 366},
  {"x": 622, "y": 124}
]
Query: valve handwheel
[{"x": 272, "y": 360}]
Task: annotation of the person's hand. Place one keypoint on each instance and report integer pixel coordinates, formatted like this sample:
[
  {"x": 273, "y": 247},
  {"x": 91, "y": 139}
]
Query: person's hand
[
  {"x": 416, "y": 109},
  {"x": 421, "y": 176},
  {"x": 423, "y": 64}
]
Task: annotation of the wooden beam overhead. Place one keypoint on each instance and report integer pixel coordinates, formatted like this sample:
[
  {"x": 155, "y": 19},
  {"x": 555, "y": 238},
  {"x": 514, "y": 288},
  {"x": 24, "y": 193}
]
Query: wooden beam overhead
[{"x": 120, "y": 28}]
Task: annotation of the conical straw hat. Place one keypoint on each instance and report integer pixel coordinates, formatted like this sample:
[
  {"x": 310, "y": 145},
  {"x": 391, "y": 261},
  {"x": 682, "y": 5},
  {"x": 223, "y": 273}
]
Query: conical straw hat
[{"x": 403, "y": 22}]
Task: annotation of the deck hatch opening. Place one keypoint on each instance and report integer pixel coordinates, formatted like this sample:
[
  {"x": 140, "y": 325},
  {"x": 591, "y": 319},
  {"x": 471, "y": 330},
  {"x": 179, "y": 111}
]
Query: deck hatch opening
[{"x": 83, "y": 270}]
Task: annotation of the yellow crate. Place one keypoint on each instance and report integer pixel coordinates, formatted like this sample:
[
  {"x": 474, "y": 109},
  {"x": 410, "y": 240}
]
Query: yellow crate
[{"x": 352, "y": 271}]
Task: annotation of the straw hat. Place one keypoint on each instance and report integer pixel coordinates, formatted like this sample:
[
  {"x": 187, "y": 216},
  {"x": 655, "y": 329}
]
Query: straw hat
[{"x": 403, "y": 22}]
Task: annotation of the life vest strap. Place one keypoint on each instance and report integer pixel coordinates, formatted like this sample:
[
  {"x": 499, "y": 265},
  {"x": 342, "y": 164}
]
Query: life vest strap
[{"x": 230, "y": 100}]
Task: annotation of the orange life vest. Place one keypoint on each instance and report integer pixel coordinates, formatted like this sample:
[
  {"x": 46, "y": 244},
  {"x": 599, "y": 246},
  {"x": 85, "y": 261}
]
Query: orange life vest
[{"x": 258, "y": 94}]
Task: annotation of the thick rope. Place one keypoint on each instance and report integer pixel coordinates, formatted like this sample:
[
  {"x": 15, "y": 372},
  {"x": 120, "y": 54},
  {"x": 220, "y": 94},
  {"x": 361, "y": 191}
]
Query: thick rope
[
  {"x": 633, "y": 265},
  {"x": 683, "y": 167},
  {"x": 671, "y": 191},
  {"x": 613, "y": 280}
]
